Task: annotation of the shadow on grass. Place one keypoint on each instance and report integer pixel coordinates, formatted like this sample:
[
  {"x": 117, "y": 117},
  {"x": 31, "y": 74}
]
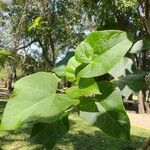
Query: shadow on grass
[
  {"x": 73, "y": 141},
  {"x": 97, "y": 141},
  {"x": 80, "y": 137},
  {"x": 17, "y": 140},
  {"x": 85, "y": 137}
]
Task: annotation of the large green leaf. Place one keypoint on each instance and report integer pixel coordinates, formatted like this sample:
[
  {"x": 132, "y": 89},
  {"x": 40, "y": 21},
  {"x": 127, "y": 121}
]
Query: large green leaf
[
  {"x": 86, "y": 87},
  {"x": 49, "y": 134},
  {"x": 107, "y": 113},
  {"x": 35, "y": 98},
  {"x": 102, "y": 50},
  {"x": 70, "y": 69},
  {"x": 131, "y": 83},
  {"x": 120, "y": 69}
]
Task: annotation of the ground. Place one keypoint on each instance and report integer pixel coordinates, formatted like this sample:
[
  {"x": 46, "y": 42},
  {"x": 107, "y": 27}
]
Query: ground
[
  {"x": 80, "y": 137},
  {"x": 140, "y": 120}
]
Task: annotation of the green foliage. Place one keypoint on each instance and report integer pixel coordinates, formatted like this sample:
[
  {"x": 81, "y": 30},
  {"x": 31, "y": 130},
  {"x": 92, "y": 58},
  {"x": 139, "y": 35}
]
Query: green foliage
[
  {"x": 48, "y": 25},
  {"x": 98, "y": 54},
  {"x": 4, "y": 56},
  {"x": 3, "y": 73},
  {"x": 36, "y": 23},
  {"x": 37, "y": 99},
  {"x": 102, "y": 46},
  {"x": 2, "y": 5}
]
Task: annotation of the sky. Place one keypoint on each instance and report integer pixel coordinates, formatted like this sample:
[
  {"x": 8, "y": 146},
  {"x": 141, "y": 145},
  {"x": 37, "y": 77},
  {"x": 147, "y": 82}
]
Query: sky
[{"x": 8, "y": 1}]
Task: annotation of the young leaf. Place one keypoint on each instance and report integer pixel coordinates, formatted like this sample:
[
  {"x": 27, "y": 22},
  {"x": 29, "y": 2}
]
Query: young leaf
[
  {"x": 70, "y": 69},
  {"x": 108, "y": 47},
  {"x": 84, "y": 52},
  {"x": 49, "y": 134},
  {"x": 35, "y": 23},
  {"x": 35, "y": 98}
]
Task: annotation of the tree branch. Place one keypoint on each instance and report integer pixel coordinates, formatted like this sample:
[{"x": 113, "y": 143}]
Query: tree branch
[
  {"x": 52, "y": 48},
  {"x": 29, "y": 44},
  {"x": 44, "y": 53},
  {"x": 147, "y": 15}
]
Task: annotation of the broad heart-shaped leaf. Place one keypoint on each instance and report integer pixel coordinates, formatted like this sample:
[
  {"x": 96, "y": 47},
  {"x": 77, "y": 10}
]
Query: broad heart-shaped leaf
[
  {"x": 140, "y": 45},
  {"x": 108, "y": 47},
  {"x": 107, "y": 113},
  {"x": 131, "y": 83},
  {"x": 86, "y": 87},
  {"x": 49, "y": 134},
  {"x": 35, "y": 99},
  {"x": 125, "y": 64},
  {"x": 70, "y": 69}
]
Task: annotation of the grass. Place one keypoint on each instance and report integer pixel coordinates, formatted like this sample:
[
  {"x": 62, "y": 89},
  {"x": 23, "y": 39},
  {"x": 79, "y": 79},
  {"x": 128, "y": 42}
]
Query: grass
[
  {"x": 80, "y": 137},
  {"x": 140, "y": 132}
]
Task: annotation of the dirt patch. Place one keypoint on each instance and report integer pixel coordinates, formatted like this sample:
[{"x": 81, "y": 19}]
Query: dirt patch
[{"x": 140, "y": 120}]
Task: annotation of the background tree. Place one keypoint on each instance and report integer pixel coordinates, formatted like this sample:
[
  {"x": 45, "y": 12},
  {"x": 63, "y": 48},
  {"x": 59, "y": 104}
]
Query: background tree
[{"x": 45, "y": 30}]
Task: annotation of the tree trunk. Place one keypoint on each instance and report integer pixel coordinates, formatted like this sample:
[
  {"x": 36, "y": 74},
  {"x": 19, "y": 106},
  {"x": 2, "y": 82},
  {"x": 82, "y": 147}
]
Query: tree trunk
[
  {"x": 147, "y": 107},
  {"x": 9, "y": 80},
  {"x": 11, "y": 76},
  {"x": 146, "y": 103},
  {"x": 147, "y": 15},
  {"x": 141, "y": 102}
]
